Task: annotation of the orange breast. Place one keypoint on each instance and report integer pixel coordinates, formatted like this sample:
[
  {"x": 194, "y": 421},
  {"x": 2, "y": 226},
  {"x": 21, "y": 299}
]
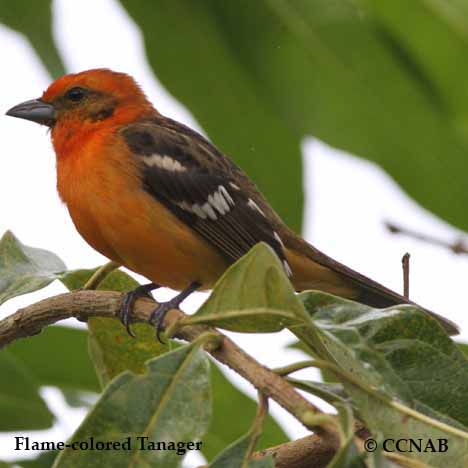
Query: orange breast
[{"x": 102, "y": 190}]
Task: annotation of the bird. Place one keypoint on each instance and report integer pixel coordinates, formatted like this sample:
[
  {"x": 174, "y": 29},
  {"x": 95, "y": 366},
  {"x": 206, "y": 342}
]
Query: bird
[{"x": 160, "y": 199}]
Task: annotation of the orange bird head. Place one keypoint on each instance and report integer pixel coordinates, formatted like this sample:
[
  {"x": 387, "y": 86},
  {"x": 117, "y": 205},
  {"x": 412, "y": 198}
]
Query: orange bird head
[{"x": 86, "y": 100}]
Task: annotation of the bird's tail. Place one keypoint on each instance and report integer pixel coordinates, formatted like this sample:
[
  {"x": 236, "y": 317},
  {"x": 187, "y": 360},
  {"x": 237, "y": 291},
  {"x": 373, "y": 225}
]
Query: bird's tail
[{"x": 314, "y": 270}]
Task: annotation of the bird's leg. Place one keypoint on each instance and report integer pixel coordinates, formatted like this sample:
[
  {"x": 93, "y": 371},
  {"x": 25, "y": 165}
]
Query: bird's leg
[
  {"x": 163, "y": 308},
  {"x": 128, "y": 301}
]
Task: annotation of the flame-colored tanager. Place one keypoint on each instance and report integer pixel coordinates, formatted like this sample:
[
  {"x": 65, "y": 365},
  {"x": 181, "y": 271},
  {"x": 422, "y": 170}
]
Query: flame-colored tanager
[{"x": 160, "y": 199}]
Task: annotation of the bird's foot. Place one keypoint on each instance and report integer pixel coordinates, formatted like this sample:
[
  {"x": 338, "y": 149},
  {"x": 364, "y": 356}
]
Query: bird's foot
[
  {"x": 157, "y": 317},
  {"x": 126, "y": 308}
]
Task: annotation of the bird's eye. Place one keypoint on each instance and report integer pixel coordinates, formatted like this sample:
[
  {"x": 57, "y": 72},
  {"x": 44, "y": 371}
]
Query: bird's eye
[{"x": 75, "y": 94}]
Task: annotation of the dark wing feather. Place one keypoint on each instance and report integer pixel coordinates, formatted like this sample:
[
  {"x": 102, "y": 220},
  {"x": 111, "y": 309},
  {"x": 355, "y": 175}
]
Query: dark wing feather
[
  {"x": 186, "y": 173},
  {"x": 195, "y": 171}
]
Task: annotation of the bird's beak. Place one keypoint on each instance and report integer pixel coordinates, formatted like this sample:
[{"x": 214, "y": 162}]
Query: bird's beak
[{"x": 34, "y": 110}]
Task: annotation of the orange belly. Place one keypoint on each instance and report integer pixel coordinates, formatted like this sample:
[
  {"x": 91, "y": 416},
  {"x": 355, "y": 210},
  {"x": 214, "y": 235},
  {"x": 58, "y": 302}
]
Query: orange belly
[
  {"x": 114, "y": 214},
  {"x": 146, "y": 238}
]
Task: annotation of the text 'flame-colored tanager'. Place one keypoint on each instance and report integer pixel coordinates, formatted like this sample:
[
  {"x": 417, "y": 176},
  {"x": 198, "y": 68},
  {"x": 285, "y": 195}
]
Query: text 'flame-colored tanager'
[{"x": 157, "y": 197}]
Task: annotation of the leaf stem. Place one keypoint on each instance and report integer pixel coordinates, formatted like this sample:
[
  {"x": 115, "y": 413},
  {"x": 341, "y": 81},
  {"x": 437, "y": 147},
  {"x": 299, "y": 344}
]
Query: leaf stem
[
  {"x": 99, "y": 275},
  {"x": 257, "y": 425},
  {"x": 297, "y": 366}
]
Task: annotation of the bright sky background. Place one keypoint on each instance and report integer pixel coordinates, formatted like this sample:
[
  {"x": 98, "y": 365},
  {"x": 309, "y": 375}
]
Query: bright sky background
[{"x": 347, "y": 199}]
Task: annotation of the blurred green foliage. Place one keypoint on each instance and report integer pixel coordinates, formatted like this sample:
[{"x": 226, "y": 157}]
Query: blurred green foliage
[
  {"x": 382, "y": 80},
  {"x": 34, "y": 20}
]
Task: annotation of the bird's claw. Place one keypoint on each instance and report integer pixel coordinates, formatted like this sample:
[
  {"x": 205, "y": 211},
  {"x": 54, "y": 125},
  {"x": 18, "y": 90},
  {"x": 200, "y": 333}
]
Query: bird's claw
[
  {"x": 126, "y": 308},
  {"x": 157, "y": 317}
]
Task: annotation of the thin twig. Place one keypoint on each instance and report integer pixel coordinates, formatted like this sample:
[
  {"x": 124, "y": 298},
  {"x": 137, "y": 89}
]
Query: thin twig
[
  {"x": 405, "y": 261},
  {"x": 257, "y": 425},
  {"x": 459, "y": 246}
]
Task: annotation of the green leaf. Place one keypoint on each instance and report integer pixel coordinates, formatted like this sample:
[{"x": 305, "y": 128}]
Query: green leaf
[
  {"x": 348, "y": 456},
  {"x": 397, "y": 421},
  {"x": 443, "y": 59},
  {"x": 332, "y": 393},
  {"x": 117, "y": 280},
  {"x": 111, "y": 348},
  {"x": 230, "y": 404},
  {"x": 171, "y": 402},
  {"x": 78, "y": 398},
  {"x": 354, "y": 74},
  {"x": 253, "y": 295},
  {"x": 463, "y": 347},
  {"x": 377, "y": 458},
  {"x": 44, "y": 460},
  {"x": 237, "y": 456},
  {"x": 223, "y": 92},
  {"x": 410, "y": 351},
  {"x": 42, "y": 358},
  {"x": 34, "y": 20},
  {"x": 21, "y": 406},
  {"x": 114, "y": 351},
  {"x": 355, "y": 80},
  {"x": 404, "y": 374},
  {"x": 25, "y": 269},
  {"x": 58, "y": 357}
]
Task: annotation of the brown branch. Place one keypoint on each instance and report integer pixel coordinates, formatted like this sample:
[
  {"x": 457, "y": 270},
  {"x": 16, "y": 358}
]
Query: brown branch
[
  {"x": 85, "y": 304},
  {"x": 309, "y": 452},
  {"x": 457, "y": 247}
]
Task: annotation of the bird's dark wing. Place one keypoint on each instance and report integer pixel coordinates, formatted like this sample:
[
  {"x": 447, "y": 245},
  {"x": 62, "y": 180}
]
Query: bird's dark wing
[
  {"x": 186, "y": 173},
  {"x": 212, "y": 196}
]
